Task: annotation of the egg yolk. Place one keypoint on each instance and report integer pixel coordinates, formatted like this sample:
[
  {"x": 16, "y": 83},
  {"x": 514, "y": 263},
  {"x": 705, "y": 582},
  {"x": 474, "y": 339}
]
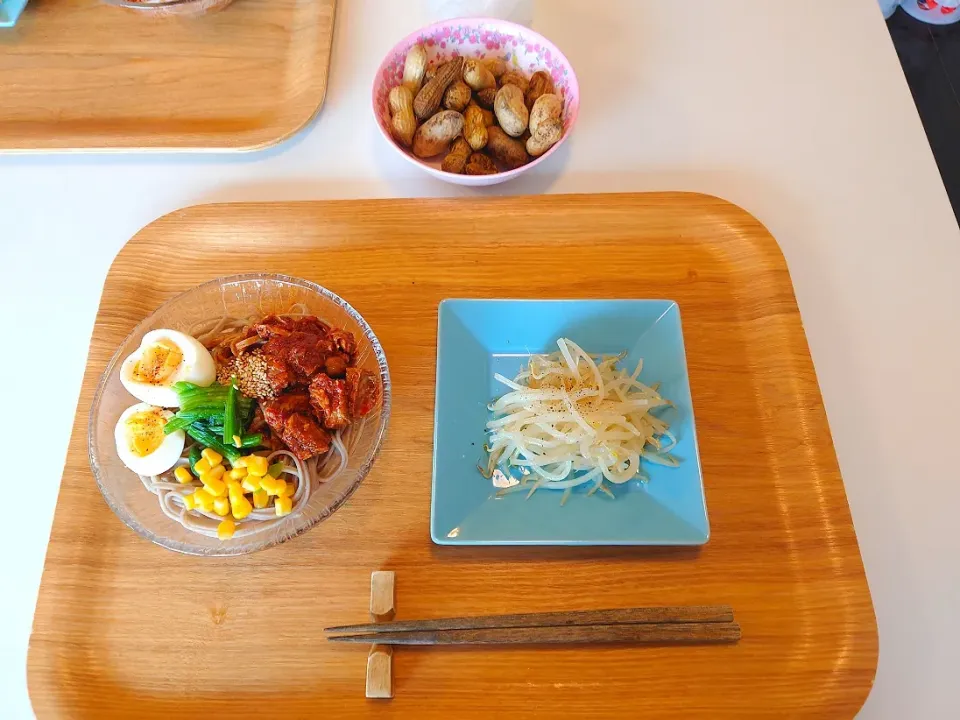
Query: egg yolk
[
  {"x": 157, "y": 363},
  {"x": 145, "y": 431}
]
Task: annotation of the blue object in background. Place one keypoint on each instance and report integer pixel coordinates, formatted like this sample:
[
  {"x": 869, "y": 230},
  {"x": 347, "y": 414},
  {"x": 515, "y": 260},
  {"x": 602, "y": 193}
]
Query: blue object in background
[
  {"x": 477, "y": 338},
  {"x": 935, "y": 12},
  {"x": 9, "y": 12}
]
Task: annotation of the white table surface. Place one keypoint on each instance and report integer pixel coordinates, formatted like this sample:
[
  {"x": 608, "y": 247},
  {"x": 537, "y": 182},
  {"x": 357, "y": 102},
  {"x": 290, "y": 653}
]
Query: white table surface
[{"x": 795, "y": 110}]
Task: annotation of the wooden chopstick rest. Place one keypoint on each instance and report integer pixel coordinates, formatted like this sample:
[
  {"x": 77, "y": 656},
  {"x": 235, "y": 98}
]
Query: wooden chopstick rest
[{"x": 380, "y": 659}]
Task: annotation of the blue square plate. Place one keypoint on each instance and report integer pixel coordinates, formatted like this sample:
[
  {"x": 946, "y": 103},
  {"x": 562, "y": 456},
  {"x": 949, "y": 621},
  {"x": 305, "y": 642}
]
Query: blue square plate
[
  {"x": 477, "y": 338},
  {"x": 9, "y": 12}
]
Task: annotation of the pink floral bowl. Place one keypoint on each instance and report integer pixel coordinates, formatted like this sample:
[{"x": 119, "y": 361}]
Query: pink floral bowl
[{"x": 519, "y": 46}]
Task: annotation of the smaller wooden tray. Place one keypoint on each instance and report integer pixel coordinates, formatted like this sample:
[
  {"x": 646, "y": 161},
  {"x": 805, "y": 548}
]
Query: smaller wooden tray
[{"x": 78, "y": 75}]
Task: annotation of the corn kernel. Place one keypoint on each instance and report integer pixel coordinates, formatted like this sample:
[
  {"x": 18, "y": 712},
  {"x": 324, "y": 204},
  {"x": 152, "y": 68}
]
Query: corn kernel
[
  {"x": 217, "y": 471},
  {"x": 250, "y": 483},
  {"x": 260, "y": 499},
  {"x": 283, "y": 506},
  {"x": 257, "y": 465},
  {"x": 214, "y": 486},
  {"x": 234, "y": 490},
  {"x": 203, "y": 465},
  {"x": 183, "y": 475},
  {"x": 237, "y": 473},
  {"x": 240, "y": 507},
  {"x": 226, "y": 528},
  {"x": 203, "y": 500},
  {"x": 282, "y": 487},
  {"x": 269, "y": 484},
  {"x": 237, "y": 441},
  {"x": 221, "y": 506},
  {"x": 190, "y": 502},
  {"x": 240, "y": 462},
  {"x": 212, "y": 456}
]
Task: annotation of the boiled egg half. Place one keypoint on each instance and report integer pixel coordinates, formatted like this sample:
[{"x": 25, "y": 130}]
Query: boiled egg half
[
  {"x": 164, "y": 358},
  {"x": 141, "y": 443}
]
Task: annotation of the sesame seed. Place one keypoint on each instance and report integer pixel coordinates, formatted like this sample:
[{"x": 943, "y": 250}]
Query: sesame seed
[{"x": 250, "y": 369}]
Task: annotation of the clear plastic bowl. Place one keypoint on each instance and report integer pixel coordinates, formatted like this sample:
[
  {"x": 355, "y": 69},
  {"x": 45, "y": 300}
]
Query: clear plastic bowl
[
  {"x": 171, "y": 7},
  {"x": 235, "y": 296}
]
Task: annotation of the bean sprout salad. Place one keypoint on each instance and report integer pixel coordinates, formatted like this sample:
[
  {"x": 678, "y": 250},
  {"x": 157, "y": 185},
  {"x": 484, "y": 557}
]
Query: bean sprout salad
[{"x": 574, "y": 419}]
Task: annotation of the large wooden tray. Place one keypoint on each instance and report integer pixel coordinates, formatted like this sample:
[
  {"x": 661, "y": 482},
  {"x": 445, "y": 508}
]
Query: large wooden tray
[
  {"x": 124, "y": 628},
  {"x": 79, "y": 75}
]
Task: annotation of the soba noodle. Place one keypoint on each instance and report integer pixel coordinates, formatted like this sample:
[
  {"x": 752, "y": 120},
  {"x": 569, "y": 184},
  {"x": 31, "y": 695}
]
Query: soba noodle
[{"x": 307, "y": 475}]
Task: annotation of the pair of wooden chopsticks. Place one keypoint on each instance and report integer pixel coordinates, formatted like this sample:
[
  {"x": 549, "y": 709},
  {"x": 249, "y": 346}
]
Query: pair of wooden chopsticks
[{"x": 650, "y": 625}]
